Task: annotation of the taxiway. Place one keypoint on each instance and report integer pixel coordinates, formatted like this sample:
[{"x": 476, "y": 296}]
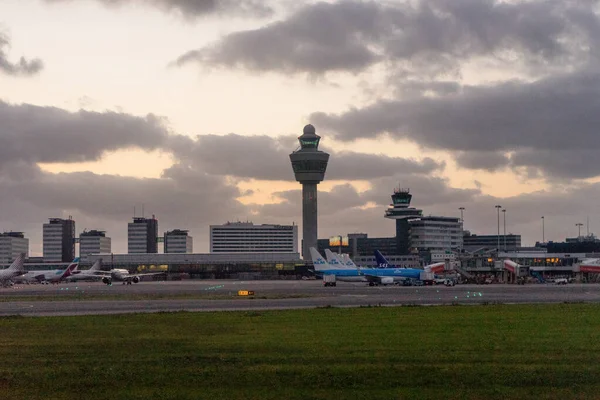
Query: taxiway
[{"x": 210, "y": 295}]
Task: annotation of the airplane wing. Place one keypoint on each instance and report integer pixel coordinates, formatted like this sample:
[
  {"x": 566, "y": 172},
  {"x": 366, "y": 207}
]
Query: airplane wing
[
  {"x": 37, "y": 277},
  {"x": 145, "y": 274},
  {"x": 378, "y": 279}
]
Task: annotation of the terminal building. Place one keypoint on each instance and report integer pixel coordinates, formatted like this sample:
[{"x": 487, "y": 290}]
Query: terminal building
[
  {"x": 12, "y": 244},
  {"x": 94, "y": 242},
  {"x": 582, "y": 244},
  {"x": 142, "y": 235},
  {"x": 507, "y": 242},
  {"x": 209, "y": 266},
  {"x": 59, "y": 240},
  {"x": 436, "y": 233},
  {"x": 178, "y": 241},
  {"x": 245, "y": 237}
]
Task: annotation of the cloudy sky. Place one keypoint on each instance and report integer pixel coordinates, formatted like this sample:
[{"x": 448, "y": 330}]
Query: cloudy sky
[{"x": 191, "y": 107}]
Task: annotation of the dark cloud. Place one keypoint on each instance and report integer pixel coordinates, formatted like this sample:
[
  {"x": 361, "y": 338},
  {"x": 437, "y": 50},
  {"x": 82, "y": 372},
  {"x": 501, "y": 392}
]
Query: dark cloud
[
  {"x": 489, "y": 161},
  {"x": 195, "y": 8},
  {"x": 23, "y": 67},
  {"x": 319, "y": 38},
  {"x": 561, "y": 164},
  {"x": 547, "y": 123},
  {"x": 48, "y": 134},
  {"x": 344, "y": 205},
  {"x": 267, "y": 158},
  {"x": 430, "y": 37}
]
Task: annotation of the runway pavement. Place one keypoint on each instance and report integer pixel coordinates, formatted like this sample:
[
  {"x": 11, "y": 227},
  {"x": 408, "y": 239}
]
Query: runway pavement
[{"x": 209, "y": 295}]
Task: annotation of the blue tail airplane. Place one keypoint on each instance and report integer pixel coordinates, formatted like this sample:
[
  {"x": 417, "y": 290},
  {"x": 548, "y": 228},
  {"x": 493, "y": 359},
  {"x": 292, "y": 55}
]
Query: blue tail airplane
[{"x": 374, "y": 276}]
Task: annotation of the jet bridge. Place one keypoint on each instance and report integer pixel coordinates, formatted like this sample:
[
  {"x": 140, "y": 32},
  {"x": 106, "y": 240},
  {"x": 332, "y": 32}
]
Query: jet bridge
[{"x": 513, "y": 272}]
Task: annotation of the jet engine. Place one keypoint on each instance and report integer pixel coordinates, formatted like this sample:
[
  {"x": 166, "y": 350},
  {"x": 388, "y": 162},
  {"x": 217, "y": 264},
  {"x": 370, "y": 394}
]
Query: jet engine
[
  {"x": 106, "y": 280},
  {"x": 136, "y": 279},
  {"x": 387, "y": 280}
]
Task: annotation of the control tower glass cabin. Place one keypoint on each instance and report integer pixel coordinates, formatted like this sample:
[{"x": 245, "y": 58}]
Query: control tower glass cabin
[{"x": 309, "y": 164}]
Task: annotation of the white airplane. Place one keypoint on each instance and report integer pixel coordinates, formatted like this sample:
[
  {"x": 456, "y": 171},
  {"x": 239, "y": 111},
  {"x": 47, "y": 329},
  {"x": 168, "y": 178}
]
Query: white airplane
[
  {"x": 123, "y": 275},
  {"x": 95, "y": 272},
  {"x": 50, "y": 276},
  {"x": 15, "y": 269}
]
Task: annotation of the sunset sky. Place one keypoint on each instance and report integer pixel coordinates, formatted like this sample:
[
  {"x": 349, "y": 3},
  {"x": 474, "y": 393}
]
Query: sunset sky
[{"x": 191, "y": 107}]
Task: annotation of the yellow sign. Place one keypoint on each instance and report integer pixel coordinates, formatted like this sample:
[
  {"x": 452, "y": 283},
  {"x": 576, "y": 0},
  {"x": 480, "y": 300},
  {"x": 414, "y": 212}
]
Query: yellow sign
[{"x": 245, "y": 293}]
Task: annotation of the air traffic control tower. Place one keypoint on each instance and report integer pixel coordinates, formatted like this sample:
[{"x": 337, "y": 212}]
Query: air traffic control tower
[
  {"x": 309, "y": 164},
  {"x": 402, "y": 212}
]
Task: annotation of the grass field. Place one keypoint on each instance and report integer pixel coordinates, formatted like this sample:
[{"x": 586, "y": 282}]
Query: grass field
[{"x": 454, "y": 352}]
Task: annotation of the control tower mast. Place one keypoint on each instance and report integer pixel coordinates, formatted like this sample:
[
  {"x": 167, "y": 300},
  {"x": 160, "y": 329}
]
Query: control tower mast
[{"x": 309, "y": 164}]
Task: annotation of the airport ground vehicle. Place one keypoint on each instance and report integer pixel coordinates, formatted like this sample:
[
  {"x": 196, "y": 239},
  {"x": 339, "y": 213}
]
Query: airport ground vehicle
[{"x": 329, "y": 280}]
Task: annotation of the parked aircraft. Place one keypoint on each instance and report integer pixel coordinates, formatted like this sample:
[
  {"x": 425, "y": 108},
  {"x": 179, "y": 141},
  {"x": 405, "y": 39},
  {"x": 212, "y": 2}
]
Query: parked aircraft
[
  {"x": 339, "y": 271},
  {"x": 50, "y": 276},
  {"x": 123, "y": 275},
  {"x": 15, "y": 269},
  {"x": 374, "y": 276},
  {"x": 382, "y": 262},
  {"x": 94, "y": 273}
]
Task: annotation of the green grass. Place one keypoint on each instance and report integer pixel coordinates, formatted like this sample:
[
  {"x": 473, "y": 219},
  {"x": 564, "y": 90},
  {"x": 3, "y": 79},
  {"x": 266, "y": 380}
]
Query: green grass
[{"x": 454, "y": 352}]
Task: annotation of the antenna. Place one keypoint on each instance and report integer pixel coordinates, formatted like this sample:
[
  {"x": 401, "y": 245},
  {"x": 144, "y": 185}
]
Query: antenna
[
  {"x": 133, "y": 211},
  {"x": 142, "y": 210}
]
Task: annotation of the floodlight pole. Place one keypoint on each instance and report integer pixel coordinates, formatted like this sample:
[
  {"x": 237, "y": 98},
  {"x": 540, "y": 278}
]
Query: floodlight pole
[
  {"x": 504, "y": 212},
  {"x": 498, "y": 207},
  {"x": 543, "y": 231}
]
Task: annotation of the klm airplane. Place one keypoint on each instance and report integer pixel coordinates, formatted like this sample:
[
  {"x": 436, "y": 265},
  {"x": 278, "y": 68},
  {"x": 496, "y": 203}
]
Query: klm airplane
[{"x": 374, "y": 276}]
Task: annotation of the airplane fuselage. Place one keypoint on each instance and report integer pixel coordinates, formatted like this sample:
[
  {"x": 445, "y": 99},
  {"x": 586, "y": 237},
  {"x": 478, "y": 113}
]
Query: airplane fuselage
[
  {"x": 359, "y": 275},
  {"x": 43, "y": 276}
]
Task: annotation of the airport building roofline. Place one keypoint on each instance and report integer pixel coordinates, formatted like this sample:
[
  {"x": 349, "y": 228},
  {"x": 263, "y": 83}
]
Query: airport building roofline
[{"x": 194, "y": 258}]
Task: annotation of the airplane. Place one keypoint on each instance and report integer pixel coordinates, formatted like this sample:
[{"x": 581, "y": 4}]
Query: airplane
[
  {"x": 95, "y": 272},
  {"x": 50, "y": 276},
  {"x": 337, "y": 270},
  {"x": 15, "y": 269},
  {"x": 123, "y": 275},
  {"x": 382, "y": 262},
  {"x": 374, "y": 276}
]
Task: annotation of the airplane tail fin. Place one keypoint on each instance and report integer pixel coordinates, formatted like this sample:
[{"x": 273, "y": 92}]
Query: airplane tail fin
[
  {"x": 318, "y": 260},
  {"x": 381, "y": 260},
  {"x": 97, "y": 266},
  {"x": 333, "y": 260},
  {"x": 67, "y": 272},
  {"x": 347, "y": 261},
  {"x": 17, "y": 264}
]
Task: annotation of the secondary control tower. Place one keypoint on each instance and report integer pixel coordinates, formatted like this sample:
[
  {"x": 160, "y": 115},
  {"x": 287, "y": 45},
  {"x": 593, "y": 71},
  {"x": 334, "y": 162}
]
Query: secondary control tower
[
  {"x": 402, "y": 212},
  {"x": 309, "y": 164}
]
